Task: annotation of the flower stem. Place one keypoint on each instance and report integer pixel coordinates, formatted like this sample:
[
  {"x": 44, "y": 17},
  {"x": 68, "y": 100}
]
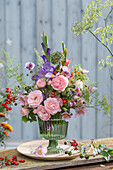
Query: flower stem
[{"x": 101, "y": 43}]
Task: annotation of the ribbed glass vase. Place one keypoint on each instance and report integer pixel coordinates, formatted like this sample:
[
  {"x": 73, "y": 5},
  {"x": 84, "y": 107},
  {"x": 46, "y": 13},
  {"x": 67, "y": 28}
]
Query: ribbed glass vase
[{"x": 53, "y": 130}]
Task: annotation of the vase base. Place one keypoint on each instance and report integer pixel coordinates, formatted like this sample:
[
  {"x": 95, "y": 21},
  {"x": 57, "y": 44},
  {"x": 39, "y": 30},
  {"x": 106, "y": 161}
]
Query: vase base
[{"x": 54, "y": 150}]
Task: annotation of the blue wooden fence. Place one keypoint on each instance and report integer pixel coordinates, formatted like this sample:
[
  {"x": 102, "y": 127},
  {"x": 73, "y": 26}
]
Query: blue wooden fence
[{"x": 23, "y": 21}]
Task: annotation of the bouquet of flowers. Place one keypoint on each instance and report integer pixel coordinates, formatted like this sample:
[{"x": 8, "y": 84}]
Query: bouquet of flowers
[{"x": 55, "y": 88}]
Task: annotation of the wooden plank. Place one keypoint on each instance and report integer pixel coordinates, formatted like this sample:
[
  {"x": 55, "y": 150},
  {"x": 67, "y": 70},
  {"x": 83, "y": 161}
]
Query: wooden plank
[
  {"x": 42, "y": 22},
  {"x": 40, "y": 164},
  {"x": 13, "y": 32},
  {"x": 89, "y": 63},
  {"x": 103, "y": 78},
  {"x": 73, "y": 45},
  {"x": 27, "y": 19}
]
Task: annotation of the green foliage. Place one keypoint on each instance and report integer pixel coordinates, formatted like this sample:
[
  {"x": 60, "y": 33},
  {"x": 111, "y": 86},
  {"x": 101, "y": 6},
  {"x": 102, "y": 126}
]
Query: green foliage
[
  {"x": 12, "y": 70},
  {"x": 103, "y": 34}
]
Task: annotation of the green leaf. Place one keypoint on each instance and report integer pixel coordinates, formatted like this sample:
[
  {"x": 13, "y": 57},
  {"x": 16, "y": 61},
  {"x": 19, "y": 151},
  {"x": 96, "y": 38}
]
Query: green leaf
[
  {"x": 25, "y": 119},
  {"x": 110, "y": 152},
  {"x": 109, "y": 149}
]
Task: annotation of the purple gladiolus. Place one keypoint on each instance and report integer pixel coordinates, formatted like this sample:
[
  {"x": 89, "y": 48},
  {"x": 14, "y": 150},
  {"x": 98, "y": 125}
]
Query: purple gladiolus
[
  {"x": 48, "y": 67},
  {"x": 43, "y": 46},
  {"x": 44, "y": 58},
  {"x": 48, "y": 51},
  {"x": 66, "y": 116},
  {"x": 41, "y": 73}
]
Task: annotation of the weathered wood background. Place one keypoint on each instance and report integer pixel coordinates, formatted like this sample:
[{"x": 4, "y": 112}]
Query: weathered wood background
[{"x": 23, "y": 21}]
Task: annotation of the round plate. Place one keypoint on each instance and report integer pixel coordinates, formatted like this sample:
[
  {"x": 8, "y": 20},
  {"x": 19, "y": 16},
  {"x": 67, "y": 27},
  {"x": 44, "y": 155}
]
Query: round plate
[{"x": 28, "y": 149}]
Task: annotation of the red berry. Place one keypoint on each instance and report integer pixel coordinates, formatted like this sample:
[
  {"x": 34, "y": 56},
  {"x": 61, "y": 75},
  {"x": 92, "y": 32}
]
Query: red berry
[
  {"x": 12, "y": 163},
  {"x": 64, "y": 101},
  {"x": 3, "y": 104},
  {"x": 73, "y": 82},
  {"x": 7, "y": 102},
  {"x": 9, "y": 95},
  {"x": 10, "y": 99},
  {"x": 14, "y": 98},
  {"x": 53, "y": 93},
  {"x": 53, "y": 96},
  {"x": 10, "y": 160},
  {"x": 76, "y": 148},
  {"x": 20, "y": 160},
  {"x": 73, "y": 144},
  {"x": 14, "y": 157},
  {"x": 74, "y": 141},
  {"x": 63, "y": 98},
  {"x": 23, "y": 161},
  {"x": 6, "y": 99},
  {"x": 2, "y": 158},
  {"x": 14, "y": 101},
  {"x": 6, "y": 163},
  {"x": 6, "y": 157},
  {"x": 16, "y": 163},
  {"x": 10, "y": 108},
  {"x": 69, "y": 106},
  {"x": 7, "y": 91},
  {"x": 7, "y": 88}
]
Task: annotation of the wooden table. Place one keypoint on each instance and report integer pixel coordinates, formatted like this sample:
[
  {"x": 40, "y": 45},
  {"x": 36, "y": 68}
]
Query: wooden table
[{"x": 96, "y": 163}]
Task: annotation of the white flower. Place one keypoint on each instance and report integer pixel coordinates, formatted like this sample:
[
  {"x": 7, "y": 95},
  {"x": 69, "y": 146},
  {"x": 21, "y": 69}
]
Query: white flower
[
  {"x": 1, "y": 65},
  {"x": 9, "y": 42},
  {"x": 79, "y": 84},
  {"x": 83, "y": 70}
]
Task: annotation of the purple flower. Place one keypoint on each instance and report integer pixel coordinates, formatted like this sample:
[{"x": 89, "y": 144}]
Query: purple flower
[
  {"x": 48, "y": 67},
  {"x": 66, "y": 116},
  {"x": 41, "y": 151},
  {"x": 77, "y": 91},
  {"x": 35, "y": 77},
  {"x": 80, "y": 111},
  {"x": 72, "y": 103},
  {"x": 21, "y": 99},
  {"x": 43, "y": 46},
  {"x": 41, "y": 73},
  {"x": 93, "y": 89},
  {"x": 44, "y": 58},
  {"x": 29, "y": 65},
  {"x": 48, "y": 51}
]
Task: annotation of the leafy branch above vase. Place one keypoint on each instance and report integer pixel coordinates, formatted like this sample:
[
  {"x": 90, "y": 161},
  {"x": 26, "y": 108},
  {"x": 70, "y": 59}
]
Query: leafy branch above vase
[{"x": 103, "y": 34}]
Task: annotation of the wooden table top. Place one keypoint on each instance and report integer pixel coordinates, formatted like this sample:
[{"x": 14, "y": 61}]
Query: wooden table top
[{"x": 96, "y": 163}]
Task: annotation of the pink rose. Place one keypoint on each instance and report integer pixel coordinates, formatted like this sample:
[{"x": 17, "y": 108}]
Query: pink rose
[
  {"x": 52, "y": 105},
  {"x": 24, "y": 112},
  {"x": 35, "y": 98},
  {"x": 41, "y": 83},
  {"x": 59, "y": 83},
  {"x": 60, "y": 101},
  {"x": 42, "y": 113}
]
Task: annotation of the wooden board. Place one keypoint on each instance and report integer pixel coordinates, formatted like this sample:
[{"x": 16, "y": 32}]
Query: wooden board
[{"x": 39, "y": 164}]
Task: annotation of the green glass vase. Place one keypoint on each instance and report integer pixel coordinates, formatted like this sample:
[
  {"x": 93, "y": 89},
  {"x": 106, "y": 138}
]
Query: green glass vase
[{"x": 53, "y": 130}]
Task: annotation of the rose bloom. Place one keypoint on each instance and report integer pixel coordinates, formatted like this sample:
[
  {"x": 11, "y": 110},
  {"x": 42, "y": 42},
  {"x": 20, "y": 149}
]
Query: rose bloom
[
  {"x": 52, "y": 105},
  {"x": 59, "y": 83},
  {"x": 24, "y": 112},
  {"x": 60, "y": 101},
  {"x": 42, "y": 113},
  {"x": 35, "y": 98},
  {"x": 41, "y": 83}
]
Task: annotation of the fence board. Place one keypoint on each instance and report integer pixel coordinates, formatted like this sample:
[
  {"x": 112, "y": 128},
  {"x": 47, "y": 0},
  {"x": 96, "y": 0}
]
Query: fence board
[
  {"x": 24, "y": 21},
  {"x": 73, "y": 46},
  {"x": 103, "y": 78},
  {"x": 13, "y": 32},
  {"x": 27, "y": 50},
  {"x": 89, "y": 63}
]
